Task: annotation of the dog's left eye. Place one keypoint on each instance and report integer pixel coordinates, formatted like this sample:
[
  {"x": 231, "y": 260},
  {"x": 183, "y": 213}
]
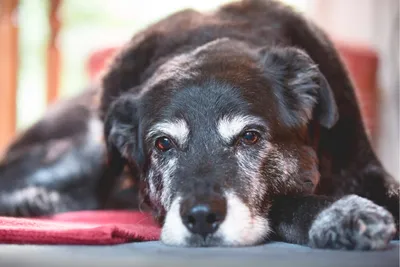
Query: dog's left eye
[
  {"x": 163, "y": 144},
  {"x": 250, "y": 137}
]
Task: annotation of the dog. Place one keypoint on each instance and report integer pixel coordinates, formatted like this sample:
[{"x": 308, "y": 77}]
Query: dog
[{"x": 238, "y": 126}]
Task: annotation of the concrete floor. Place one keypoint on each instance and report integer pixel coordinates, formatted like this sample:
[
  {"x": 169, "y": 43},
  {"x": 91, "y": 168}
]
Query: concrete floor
[{"x": 156, "y": 254}]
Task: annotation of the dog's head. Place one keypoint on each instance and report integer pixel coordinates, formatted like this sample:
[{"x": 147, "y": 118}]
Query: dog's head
[{"x": 216, "y": 133}]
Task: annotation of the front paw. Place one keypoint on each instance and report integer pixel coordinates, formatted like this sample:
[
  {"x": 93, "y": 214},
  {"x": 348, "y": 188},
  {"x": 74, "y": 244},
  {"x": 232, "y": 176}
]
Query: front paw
[
  {"x": 30, "y": 202},
  {"x": 353, "y": 223}
]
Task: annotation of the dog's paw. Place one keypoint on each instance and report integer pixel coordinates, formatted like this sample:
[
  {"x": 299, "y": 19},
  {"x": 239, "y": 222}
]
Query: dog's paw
[
  {"x": 353, "y": 223},
  {"x": 30, "y": 202}
]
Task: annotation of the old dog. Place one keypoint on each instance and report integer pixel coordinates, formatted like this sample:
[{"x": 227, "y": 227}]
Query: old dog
[{"x": 239, "y": 125}]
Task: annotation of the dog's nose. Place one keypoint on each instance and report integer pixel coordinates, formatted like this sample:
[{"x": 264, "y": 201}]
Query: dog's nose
[{"x": 203, "y": 217}]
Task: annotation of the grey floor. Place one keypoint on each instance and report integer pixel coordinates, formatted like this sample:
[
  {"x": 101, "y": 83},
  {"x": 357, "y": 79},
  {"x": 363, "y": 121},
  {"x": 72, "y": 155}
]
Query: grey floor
[{"x": 156, "y": 254}]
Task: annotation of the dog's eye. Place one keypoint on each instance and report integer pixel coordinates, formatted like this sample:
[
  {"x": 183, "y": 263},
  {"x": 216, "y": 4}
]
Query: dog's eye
[
  {"x": 250, "y": 137},
  {"x": 163, "y": 144}
]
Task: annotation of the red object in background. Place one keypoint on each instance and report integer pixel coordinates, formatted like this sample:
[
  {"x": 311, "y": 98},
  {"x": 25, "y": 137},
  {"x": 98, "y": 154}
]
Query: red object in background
[
  {"x": 362, "y": 64},
  {"x": 360, "y": 60},
  {"x": 80, "y": 228},
  {"x": 98, "y": 60}
]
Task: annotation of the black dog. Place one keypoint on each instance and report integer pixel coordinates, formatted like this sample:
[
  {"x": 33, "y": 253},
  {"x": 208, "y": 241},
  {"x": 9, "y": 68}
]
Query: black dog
[{"x": 240, "y": 125}]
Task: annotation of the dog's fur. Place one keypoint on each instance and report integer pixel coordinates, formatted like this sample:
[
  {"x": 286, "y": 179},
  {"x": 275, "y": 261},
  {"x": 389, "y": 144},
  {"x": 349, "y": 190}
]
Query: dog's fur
[{"x": 203, "y": 80}]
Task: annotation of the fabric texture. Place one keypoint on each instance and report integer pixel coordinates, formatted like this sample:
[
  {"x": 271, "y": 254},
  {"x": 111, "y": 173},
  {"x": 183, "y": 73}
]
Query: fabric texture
[{"x": 83, "y": 228}]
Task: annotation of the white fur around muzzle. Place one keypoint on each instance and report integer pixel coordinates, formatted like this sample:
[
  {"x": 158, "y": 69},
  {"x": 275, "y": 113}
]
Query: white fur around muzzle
[{"x": 240, "y": 227}]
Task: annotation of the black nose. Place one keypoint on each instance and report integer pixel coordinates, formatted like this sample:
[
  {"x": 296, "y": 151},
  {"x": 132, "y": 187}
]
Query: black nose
[{"x": 203, "y": 217}]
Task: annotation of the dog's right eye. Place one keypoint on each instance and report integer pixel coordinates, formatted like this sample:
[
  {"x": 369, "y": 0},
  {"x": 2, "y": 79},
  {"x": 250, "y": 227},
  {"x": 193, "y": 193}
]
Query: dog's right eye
[
  {"x": 250, "y": 137},
  {"x": 163, "y": 144}
]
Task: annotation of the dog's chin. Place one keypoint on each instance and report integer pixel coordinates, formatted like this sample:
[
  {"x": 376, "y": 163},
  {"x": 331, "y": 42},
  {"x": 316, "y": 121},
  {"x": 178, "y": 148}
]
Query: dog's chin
[{"x": 240, "y": 228}]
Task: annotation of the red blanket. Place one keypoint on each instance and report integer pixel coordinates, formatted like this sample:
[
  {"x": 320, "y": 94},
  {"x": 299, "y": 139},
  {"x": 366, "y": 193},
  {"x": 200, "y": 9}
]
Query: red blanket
[{"x": 83, "y": 228}]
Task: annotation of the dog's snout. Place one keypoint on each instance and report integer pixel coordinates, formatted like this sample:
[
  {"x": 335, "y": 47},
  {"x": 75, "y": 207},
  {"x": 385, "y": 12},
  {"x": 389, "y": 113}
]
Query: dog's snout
[{"x": 203, "y": 217}]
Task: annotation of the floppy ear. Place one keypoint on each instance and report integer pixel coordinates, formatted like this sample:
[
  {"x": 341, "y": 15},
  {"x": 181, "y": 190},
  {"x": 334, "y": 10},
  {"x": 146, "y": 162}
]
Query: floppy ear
[
  {"x": 302, "y": 90},
  {"x": 120, "y": 116},
  {"x": 121, "y": 131}
]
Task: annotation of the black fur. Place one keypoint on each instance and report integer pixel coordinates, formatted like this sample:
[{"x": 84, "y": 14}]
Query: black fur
[{"x": 274, "y": 64}]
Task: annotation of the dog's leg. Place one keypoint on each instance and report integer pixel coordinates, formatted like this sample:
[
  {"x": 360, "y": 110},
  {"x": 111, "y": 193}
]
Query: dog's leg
[
  {"x": 370, "y": 182},
  {"x": 351, "y": 222},
  {"x": 50, "y": 177},
  {"x": 34, "y": 201}
]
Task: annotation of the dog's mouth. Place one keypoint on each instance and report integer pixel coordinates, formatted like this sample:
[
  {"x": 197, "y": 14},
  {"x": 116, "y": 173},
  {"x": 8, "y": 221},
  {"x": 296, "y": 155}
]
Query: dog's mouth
[{"x": 226, "y": 222}]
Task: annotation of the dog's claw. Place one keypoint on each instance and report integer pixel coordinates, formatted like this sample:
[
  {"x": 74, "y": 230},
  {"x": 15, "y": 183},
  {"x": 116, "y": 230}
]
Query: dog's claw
[
  {"x": 352, "y": 223},
  {"x": 362, "y": 227}
]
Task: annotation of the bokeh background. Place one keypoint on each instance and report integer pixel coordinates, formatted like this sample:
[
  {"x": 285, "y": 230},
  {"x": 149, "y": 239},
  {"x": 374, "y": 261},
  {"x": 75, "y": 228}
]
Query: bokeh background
[{"x": 59, "y": 38}]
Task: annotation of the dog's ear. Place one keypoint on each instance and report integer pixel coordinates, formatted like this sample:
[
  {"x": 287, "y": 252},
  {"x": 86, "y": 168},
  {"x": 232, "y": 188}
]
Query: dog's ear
[
  {"x": 121, "y": 131},
  {"x": 121, "y": 135},
  {"x": 302, "y": 90}
]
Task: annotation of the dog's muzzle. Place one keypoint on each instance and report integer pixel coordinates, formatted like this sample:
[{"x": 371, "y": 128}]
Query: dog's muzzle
[{"x": 203, "y": 215}]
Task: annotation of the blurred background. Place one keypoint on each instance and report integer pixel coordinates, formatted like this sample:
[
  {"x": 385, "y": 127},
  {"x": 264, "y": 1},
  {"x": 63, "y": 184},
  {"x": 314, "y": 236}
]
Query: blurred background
[{"x": 51, "y": 49}]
